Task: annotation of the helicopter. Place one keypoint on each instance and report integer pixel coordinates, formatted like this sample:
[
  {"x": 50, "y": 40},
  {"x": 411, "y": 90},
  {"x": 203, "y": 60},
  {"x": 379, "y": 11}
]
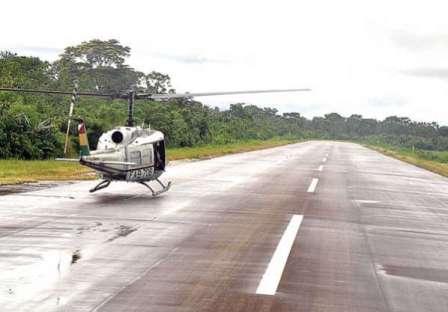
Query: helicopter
[{"x": 128, "y": 153}]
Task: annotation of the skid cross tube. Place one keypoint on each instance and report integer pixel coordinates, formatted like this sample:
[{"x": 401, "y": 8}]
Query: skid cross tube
[
  {"x": 103, "y": 184},
  {"x": 155, "y": 193}
]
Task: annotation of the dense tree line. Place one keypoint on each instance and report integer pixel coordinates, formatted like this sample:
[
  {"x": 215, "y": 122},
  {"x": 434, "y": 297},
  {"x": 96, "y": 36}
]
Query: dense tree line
[
  {"x": 32, "y": 126},
  {"x": 397, "y": 131}
]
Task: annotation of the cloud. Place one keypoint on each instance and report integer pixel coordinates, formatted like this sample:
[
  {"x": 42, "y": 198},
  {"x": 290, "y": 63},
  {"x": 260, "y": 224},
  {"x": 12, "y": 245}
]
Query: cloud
[
  {"x": 190, "y": 59},
  {"x": 47, "y": 53},
  {"x": 430, "y": 72},
  {"x": 430, "y": 46},
  {"x": 37, "y": 49},
  {"x": 386, "y": 102},
  {"x": 351, "y": 58},
  {"x": 420, "y": 42}
]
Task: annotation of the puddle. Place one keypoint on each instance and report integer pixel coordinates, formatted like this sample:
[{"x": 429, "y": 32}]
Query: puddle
[
  {"x": 33, "y": 280},
  {"x": 428, "y": 274},
  {"x": 29, "y": 187}
]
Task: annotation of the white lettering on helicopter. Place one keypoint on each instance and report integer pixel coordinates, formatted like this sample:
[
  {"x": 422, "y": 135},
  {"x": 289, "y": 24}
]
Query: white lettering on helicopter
[{"x": 140, "y": 174}]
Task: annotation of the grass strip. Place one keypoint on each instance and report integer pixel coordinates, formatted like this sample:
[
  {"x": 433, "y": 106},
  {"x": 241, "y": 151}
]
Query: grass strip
[
  {"x": 208, "y": 151},
  {"x": 429, "y": 160},
  {"x": 21, "y": 171}
]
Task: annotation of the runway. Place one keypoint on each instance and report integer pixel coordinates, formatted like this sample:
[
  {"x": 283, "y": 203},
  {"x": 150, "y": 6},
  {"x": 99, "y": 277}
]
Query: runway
[{"x": 315, "y": 226}]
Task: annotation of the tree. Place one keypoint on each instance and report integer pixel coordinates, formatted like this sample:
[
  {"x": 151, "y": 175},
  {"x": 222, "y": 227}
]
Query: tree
[
  {"x": 23, "y": 72},
  {"x": 337, "y": 127},
  {"x": 97, "y": 53},
  {"x": 98, "y": 65},
  {"x": 443, "y": 131},
  {"x": 156, "y": 82},
  {"x": 354, "y": 124}
]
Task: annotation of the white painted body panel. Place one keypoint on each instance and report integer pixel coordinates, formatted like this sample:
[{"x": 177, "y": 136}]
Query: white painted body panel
[{"x": 137, "y": 147}]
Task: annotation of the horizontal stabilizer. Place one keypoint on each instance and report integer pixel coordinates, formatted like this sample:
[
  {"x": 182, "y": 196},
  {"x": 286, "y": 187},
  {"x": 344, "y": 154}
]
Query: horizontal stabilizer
[
  {"x": 98, "y": 162},
  {"x": 107, "y": 162}
]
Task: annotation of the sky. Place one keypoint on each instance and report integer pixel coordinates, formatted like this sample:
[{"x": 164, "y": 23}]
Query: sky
[{"x": 374, "y": 58}]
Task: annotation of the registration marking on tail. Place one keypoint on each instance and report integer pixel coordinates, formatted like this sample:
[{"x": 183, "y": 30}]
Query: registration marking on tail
[{"x": 271, "y": 278}]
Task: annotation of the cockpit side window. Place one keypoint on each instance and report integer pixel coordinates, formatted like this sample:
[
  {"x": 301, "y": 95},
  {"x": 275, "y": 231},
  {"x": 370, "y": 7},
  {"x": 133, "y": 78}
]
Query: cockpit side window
[{"x": 159, "y": 155}]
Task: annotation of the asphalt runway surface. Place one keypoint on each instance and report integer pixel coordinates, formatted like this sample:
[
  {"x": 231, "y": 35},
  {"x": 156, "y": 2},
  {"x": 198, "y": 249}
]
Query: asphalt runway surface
[{"x": 316, "y": 226}]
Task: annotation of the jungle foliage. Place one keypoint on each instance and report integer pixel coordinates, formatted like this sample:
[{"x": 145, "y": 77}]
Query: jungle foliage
[{"x": 33, "y": 126}]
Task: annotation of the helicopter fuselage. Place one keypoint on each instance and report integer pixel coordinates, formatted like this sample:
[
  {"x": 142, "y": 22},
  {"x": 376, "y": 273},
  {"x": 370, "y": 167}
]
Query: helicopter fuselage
[{"x": 130, "y": 154}]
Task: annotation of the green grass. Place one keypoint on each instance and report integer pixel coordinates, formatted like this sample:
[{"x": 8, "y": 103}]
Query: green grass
[
  {"x": 21, "y": 171},
  {"x": 207, "y": 151},
  {"x": 435, "y": 161}
]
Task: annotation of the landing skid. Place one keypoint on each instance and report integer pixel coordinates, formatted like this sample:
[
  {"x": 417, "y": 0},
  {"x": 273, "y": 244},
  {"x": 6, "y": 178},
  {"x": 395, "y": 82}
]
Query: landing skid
[
  {"x": 103, "y": 184},
  {"x": 163, "y": 190}
]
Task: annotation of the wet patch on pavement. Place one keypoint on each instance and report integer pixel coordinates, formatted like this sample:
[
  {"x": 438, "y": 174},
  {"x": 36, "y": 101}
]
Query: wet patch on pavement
[
  {"x": 95, "y": 226},
  {"x": 122, "y": 231},
  {"x": 29, "y": 187},
  {"x": 428, "y": 274},
  {"x": 32, "y": 279}
]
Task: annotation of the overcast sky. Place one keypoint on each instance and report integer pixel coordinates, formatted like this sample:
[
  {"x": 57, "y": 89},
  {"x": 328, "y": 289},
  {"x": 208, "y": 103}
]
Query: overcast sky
[{"x": 376, "y": 58}]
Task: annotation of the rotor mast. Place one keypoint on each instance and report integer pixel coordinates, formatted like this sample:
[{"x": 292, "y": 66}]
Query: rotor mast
[{"x": 131, "y": 101}]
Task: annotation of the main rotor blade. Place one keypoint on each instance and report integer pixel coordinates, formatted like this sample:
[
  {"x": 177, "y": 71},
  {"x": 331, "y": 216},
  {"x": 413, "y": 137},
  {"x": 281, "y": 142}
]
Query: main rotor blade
[
  {"x": 190, "y": 95},
  {"x": 56, "y": 92}
]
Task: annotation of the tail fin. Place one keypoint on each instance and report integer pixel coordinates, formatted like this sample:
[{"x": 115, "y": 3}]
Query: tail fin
[{"x": 83, "y": 141}]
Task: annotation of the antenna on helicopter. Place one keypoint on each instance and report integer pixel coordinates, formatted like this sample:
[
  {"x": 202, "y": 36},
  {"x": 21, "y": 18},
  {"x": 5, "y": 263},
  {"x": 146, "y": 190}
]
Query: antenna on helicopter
[
  {"x": 74, "y": 98},
  {"x": 131, "y": 101}
]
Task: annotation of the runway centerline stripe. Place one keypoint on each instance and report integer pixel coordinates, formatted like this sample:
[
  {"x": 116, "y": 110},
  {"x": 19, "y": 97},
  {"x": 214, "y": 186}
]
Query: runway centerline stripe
[
  {"x": 320, "y": 168},
  {"x": 313, "y": 185},
  {"x": 271, "y": 278},
  {"x": 325, "y": 159}
]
